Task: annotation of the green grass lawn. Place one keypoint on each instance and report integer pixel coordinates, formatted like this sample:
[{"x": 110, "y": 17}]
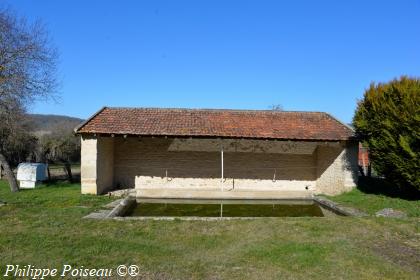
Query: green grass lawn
[
  {"x": 374, "y": 194},
  {"x": 44, "y": 227},
  {"x": 371, "y": 203}
]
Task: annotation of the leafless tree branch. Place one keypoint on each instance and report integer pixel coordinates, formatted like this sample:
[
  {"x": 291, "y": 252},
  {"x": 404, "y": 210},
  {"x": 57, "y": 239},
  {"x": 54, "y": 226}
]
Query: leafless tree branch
[{"x": 28, "y": 66}]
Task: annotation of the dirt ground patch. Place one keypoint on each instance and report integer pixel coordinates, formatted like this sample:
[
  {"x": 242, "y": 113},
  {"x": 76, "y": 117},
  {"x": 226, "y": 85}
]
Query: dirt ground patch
[{"x": 400, "y": 254}]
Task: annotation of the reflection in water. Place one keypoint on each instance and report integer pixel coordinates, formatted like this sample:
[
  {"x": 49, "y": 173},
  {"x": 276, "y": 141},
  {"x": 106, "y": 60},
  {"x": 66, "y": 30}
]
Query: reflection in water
[{"x": 226, "y": 208}]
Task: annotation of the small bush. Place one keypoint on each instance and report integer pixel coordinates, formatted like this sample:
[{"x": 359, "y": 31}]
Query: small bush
[{"x": 388, "y": 121}]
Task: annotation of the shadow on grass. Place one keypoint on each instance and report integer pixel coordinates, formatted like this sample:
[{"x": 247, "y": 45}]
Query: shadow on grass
[
  {"x": 59, "y": 183},
  {"x": 380, "y": 186},
  {"x": 62, "y": 181}
]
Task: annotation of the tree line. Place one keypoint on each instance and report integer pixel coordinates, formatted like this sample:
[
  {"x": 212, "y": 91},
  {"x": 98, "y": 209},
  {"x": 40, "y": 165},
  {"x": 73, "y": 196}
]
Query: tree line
[{"x": 59, "y": 146}]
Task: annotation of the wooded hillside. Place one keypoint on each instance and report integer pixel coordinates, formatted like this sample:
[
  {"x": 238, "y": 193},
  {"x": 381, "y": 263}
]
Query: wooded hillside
[{"x": 46, "y": 124}]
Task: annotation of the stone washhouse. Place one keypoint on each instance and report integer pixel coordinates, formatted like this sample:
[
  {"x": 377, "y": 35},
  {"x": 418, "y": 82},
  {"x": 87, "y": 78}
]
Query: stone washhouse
[{"x": 209, "y": 153}]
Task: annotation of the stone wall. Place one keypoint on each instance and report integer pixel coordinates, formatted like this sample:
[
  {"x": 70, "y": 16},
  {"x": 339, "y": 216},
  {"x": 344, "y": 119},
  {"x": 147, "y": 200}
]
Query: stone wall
[{"x": 351, "y": 163}]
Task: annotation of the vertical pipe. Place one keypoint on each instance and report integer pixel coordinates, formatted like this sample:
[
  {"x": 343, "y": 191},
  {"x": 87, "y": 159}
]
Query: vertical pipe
[
  {"x": 363, "y": 162},
  {"x": 221, "y": 181}
]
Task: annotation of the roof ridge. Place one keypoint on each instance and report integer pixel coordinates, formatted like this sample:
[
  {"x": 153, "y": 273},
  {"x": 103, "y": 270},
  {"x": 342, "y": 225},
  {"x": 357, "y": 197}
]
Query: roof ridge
[{"x": 215, "y": 109}]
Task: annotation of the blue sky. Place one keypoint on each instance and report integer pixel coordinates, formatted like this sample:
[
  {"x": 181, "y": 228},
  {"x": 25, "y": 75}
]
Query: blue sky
[{"x": 304, "y": 55}]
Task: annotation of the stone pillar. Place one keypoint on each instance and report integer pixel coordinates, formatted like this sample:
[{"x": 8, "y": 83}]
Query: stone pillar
[
  {"x": 351, "y": 162},
  {"x": 88, "y": 165},
  {"x": 97, "y": 164},
  {"x": 336, "y": 168}
]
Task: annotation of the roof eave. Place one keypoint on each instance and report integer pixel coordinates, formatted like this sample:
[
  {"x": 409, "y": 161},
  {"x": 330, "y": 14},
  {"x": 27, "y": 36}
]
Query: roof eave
[{"x": 108, "y": 134}]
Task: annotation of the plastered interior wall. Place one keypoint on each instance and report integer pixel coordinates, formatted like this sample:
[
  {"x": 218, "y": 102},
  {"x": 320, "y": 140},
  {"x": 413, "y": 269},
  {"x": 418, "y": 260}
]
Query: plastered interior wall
[
  {"x": 196, "y": 163},
  {"x": 148, "y": 163}
]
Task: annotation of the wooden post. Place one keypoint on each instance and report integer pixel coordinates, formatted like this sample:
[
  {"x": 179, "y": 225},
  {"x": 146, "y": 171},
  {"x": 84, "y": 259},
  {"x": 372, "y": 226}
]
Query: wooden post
[{"x": 48, "y": 170}]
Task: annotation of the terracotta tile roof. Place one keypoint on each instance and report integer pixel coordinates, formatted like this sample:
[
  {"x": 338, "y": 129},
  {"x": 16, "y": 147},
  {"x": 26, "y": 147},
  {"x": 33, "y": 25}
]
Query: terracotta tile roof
[{"x": 216, "y": 123}]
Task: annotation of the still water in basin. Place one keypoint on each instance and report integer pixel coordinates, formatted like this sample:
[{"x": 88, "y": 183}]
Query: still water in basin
[{"x": 225, "y": 208}]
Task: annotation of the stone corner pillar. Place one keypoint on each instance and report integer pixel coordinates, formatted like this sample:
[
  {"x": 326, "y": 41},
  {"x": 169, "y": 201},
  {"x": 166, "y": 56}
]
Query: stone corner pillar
[
  {"x": 97, "y": 164},
  {"x": 351, "y": 164},
  {"x": 337, "y": 169}
]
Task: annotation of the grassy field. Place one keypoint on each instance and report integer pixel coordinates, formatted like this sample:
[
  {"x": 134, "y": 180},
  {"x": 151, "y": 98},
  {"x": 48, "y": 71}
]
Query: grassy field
[{"x": 44, "y": 227}]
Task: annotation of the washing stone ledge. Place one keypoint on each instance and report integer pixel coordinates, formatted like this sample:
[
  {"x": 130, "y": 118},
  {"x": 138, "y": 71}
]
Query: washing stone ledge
[{"x": 339, "y": 209}]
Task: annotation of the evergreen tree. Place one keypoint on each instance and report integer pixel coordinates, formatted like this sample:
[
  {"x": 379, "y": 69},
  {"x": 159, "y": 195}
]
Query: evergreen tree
[{"x": 387, "y": 119}]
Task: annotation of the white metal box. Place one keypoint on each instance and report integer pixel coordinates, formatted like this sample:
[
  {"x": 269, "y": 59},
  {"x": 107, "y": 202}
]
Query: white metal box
[{"x": 29, "y": 174}]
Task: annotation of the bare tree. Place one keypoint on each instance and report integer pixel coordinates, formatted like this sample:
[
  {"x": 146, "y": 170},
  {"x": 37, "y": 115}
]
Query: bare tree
[
  {"x": 60, "y": 146},
  {"x": 28, "y": 64},
  {"x": 276, "y": 107}
]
